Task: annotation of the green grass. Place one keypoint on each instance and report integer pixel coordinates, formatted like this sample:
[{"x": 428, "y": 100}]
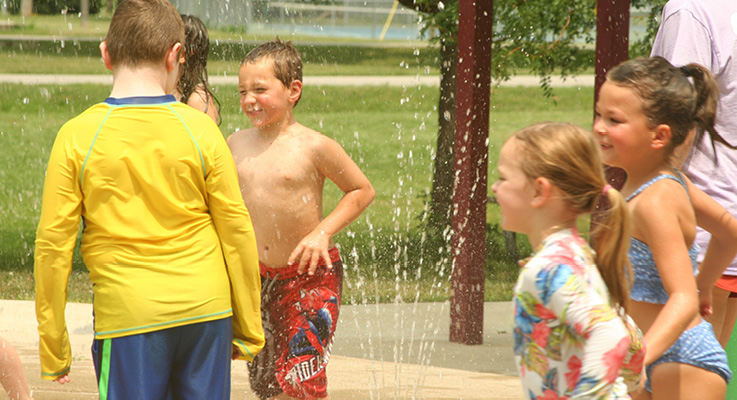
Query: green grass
[
  {"x": 83, "y": 57},
  {"x": 58, "y": 25},
  {"x": 74, "y": 50},
  {"x": 390, "y": 132},
  {"x": 71, "y": 25}
]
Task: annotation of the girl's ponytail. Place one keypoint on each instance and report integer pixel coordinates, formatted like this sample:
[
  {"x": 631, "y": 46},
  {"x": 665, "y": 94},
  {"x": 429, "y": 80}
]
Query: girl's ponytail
[
  {"x": 707, "y": 96},
  {"x": 611, "y": 236}
]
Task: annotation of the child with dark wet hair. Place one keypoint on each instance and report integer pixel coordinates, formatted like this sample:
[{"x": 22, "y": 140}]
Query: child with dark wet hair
[
  {"x": 282, "y": 167},
  {"x": 193, "y": 87},
  {"x": 646, "y": 112}
]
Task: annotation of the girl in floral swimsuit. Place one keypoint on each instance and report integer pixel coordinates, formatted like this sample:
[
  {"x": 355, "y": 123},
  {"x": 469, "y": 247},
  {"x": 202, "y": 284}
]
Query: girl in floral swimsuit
[
  {"x": 572, "y": 336},
  {"x": 647, "y": 108}
]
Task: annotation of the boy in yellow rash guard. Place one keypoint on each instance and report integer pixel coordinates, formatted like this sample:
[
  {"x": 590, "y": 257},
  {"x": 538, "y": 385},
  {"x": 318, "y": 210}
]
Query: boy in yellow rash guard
[{"x": 167, "y": 239}]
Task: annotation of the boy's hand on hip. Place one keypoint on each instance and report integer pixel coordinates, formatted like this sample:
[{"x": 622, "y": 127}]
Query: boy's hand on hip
[{"x": 309, "y": 252}]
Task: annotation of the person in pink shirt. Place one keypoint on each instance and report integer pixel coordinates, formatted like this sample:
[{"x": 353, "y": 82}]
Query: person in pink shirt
[{"x": 705, "y": 32}]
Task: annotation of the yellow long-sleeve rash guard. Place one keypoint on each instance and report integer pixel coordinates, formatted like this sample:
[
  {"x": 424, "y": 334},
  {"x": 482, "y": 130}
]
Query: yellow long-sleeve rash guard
[{"x": 167, "y": 239}]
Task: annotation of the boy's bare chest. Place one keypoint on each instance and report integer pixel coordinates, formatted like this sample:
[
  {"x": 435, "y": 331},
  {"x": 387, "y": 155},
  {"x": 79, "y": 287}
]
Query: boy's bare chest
[{"x": 278, "y": 167}]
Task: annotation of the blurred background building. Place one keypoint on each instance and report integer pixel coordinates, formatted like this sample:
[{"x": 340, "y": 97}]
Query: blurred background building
[{"x": 372, "y": 19}]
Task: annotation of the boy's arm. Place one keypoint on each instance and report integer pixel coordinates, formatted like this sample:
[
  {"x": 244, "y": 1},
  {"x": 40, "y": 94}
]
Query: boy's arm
[
  {"x": 333, "y": 162},
  {"x": 722, "y": 226},
  {"x": 238, "y": 241},
  {"x": 55, "y": 240}
]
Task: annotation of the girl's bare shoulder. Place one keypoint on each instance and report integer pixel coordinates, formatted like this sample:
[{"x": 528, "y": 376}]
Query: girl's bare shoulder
[{"x": 663, "y": 206}]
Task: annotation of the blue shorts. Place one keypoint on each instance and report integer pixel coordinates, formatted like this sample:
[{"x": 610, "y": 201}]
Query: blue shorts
[
  {"x": 186, "y": 362},
  {"x": 698, "y": 347}
]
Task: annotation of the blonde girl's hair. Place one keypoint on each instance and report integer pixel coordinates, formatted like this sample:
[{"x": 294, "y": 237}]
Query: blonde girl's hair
[
  {"x": 568, "y": 156},
  {"x": 683, "y": 98}
]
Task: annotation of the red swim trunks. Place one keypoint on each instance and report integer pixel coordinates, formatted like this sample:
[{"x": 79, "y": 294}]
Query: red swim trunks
[
  {"x": 299, "y": 314},
  {"x": 728, "y": 283}
]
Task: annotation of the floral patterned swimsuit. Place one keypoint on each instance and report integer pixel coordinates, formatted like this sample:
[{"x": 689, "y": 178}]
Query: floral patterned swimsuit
[{"x": 569, "y": 342}]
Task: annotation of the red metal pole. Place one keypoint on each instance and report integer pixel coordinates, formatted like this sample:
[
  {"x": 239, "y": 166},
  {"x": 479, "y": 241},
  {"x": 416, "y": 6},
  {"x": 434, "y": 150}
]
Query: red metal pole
[
  {"x": 612, "y": 47},
  {"x": 471, "y": 152},
  {"x": 612, "y": 37}
]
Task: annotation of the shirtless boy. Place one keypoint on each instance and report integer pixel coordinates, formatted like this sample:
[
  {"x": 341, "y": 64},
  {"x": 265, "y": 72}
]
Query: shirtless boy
[{"x": 282, "y": 166}]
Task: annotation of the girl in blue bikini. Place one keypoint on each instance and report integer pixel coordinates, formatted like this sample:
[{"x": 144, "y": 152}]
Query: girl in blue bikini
[{"x": 647, "y": 110}]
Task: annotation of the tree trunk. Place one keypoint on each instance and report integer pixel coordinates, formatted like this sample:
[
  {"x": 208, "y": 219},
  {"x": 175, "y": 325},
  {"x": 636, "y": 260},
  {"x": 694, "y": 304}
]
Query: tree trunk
[
  {"x": 26, "y": 8},
  {"x": 441, "y": 198}
]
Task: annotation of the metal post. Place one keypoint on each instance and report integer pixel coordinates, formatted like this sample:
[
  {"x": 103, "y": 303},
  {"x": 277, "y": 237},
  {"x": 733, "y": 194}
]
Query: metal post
[
  {"x": 248, "y": 15},
  {"x": 85, "y": 12},
  {"x": 26, "y": 8},
  {"x": 612, "y": 47},
  {"x": 373, "y": 20},
  {"x": 471, "y": 159},
  {"x": 332, "y": 21}
]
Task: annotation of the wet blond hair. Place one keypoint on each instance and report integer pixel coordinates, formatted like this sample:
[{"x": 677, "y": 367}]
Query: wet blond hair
[
  {"x": 287, "y": 60},
  {"x": 142, "y": 32},
  {"x": 569, "y": 157}
]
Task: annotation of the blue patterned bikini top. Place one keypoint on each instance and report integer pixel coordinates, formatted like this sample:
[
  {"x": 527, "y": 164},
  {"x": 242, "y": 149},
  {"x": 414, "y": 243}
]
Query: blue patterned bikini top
[{"x": 647, "y": 286}]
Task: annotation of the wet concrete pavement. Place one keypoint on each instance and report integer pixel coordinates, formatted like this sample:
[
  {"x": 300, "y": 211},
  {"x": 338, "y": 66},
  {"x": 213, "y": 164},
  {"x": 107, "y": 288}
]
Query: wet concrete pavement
[{"x": 392, "y": 351}]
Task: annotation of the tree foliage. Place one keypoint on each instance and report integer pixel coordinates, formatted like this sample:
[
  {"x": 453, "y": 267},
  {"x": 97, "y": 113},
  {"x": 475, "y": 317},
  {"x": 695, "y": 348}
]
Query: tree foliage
[
  {"x": 641, "y": 47},
  {"x": 540, "y": 37}
]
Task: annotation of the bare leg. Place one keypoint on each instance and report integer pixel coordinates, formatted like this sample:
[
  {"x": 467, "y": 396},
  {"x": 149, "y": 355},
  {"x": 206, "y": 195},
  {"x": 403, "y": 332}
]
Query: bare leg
[
  {"x": 730, "y": 316},
  {"x": 675, "y": 381},
  {"x": 724, "y": 315},
  {"x": 12, "y": 376}
]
